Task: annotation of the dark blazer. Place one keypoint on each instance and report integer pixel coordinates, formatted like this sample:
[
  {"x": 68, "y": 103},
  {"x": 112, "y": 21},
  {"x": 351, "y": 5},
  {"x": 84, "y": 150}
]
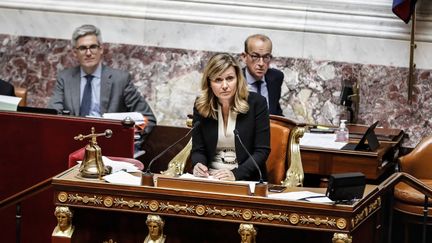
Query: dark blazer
[
  {"x": 6, "y": 88},
  {"x": 274, "y": 79},
  {"x": 254, "y": 131},
  {"x": 117, "y": 94}
]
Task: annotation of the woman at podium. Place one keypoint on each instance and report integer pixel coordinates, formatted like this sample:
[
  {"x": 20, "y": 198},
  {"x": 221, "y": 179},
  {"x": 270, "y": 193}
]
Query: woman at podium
[{"x": 233, "y": 136}]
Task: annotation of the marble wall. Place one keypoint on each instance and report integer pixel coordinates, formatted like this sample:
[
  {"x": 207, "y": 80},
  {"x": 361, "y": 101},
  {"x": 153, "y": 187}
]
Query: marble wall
[{"x": 318, "y": 47}]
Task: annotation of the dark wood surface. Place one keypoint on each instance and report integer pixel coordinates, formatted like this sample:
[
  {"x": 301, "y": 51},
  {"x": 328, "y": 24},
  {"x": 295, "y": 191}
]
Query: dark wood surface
[
  {"x": 105, "y": 211},
  {"x": 35, "y": 147},
  {"x": 374, "y": 164}
]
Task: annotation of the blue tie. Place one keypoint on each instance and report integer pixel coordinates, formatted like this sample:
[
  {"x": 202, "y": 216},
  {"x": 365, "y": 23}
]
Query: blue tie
[
  {"x": 258, "y": 85},
  {"x": 87, "y": 97}
]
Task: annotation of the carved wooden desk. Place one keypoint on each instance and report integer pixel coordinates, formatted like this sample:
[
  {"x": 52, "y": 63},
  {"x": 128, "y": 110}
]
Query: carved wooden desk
[
  {"x": 374, "y": 164},
  {"x": 104, "y": 212}
]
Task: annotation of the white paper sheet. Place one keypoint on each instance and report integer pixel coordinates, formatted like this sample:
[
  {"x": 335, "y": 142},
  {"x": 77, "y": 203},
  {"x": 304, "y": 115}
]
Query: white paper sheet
[
  {"x": 137, "y": 117},
  {"x": 301, "y": 195},
  {"x": 118, "y": 165},
  {"x": 9, "y": 103},
  {"x": 211, "y": 178},
  {"x": 321, "y": 140},
  {"x": 123, "y": 178}
]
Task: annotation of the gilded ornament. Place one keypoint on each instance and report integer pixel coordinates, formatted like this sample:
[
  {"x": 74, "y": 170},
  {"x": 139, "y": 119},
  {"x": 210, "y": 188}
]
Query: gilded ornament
[
  {"x": 294, "y": 218},
  {"x": 247, "y": 214},
  {"x": 153, "y": 205},
  {"x": 200, "y": 210},
  {"x": 62, "y": 197},
  {"x": 108, "y": 202},
  {"x": 341, "y": 223}
]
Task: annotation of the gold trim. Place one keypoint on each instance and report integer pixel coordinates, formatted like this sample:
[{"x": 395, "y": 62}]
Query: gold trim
[
  {"x": 247, "y": 214},
  {"x": 294, "y": 218},
  {"x": 341, "y": 223},
  {"x": 120, "y": 202},
  {"x": 154, "y": 205},
  {"x": 200, "y": 210},
  {"x": 317, "y": 221},
  {"x": 295, "y": 174},
  {"x": 370, "y": 209},
  {"x": 62, "y": 197},
  {"x": 96, "y": 200}
]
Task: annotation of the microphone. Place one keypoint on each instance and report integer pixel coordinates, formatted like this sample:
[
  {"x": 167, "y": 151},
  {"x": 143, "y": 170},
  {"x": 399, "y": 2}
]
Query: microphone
[
  {"x": 261, "y": 188},
  {"x": 250, "y": 156},
  {"x": 147, "y": 178}
]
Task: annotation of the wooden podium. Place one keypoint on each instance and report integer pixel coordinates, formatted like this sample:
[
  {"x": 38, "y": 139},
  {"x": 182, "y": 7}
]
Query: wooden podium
[
  {"x": 104, "y": 212},
  {"x": 374, "y": 164},
  {"x": 35, "y": 147}
]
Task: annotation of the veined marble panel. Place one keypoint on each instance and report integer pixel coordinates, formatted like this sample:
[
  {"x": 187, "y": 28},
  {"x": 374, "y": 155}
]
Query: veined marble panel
[
  {"x": 352, "y": 31},
  {"x": 169, "y": 79}
]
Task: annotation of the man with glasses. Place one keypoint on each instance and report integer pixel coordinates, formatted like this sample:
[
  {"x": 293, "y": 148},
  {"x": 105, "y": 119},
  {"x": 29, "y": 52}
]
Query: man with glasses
[
  {"x": 260, "y": 78},
  {"x": 92, "y": 89}
]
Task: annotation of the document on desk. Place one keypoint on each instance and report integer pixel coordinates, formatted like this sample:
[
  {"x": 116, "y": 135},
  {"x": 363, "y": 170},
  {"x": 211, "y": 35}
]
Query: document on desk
[
  {"x": 137, "y": 117},
  {"x": 321, "y": 140},
  {"x": 9, "y": 103},
  {"x": 117, "y": 165},
  {"x": 211, "y": 178},
  {"x": 301, "y": 195},
  {"x": 123, "y": 178}
]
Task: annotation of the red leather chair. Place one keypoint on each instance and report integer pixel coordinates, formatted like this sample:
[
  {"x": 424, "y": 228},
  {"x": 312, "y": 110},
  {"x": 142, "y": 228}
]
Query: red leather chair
[{"x": 409, "y": 203}]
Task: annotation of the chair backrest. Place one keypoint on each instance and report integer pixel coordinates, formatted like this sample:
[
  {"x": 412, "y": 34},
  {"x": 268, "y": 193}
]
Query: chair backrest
[
  {"x": 22, "y": 93},
  {"x": 418, "y": 162},
  {"x": 277, "y": 161},
  {"x": 285, "y": 149}
]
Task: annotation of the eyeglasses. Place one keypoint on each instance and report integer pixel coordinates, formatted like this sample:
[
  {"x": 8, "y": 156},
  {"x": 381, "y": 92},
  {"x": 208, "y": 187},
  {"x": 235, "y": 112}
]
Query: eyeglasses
[
  {"x": 92, "y": 48},
  {"x": 256, "y": 57}
]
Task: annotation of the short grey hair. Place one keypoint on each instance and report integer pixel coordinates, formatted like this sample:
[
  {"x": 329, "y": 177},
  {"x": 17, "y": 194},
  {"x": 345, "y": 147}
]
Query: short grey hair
[{"x": 84, "y": 30}]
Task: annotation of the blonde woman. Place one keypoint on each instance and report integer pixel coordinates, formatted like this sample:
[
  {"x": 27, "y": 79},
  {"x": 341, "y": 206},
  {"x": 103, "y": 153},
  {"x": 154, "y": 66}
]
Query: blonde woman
[{"x": 223, "y": 106}]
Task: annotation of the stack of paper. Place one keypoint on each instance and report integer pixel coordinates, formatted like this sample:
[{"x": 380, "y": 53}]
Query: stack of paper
[
  {"x": 137, "y": 117},
  {"x": 9, "y": 103}
]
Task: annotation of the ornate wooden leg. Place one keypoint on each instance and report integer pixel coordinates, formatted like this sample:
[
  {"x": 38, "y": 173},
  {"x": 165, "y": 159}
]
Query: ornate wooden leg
[
  {"x": 341, "y": 238},
  {"x": 62, "y": 233},
  {"x": 247, "y": 233}
]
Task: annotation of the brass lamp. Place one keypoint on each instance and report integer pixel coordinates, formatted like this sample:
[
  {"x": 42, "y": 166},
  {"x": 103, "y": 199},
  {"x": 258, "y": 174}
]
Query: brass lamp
[{"x": 92, "y": 165}]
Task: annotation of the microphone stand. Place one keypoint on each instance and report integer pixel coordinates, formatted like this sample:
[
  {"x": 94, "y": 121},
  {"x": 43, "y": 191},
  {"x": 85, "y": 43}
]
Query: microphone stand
[
  {"x": 147, "y": 177},
  {"x": 261, "y": 188}
]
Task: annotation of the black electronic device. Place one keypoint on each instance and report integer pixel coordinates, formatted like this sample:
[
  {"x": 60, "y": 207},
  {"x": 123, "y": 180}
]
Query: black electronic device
[
  {"x": 37, "y": 110},
  {"x": 369, "y": 136},
  {"x": 346, "y": 187},
  {"x": 276, "y": 188}
]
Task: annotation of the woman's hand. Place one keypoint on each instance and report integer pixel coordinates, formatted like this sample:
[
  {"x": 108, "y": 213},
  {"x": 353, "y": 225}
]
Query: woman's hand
[
  {"x": 223, "y": 174},
  {"x": 200, "y": 170}
]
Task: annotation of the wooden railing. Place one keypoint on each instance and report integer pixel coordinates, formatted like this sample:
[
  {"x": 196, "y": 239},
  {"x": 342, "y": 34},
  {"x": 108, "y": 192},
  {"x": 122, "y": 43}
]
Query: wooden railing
[{"x": 17, "y": 198}]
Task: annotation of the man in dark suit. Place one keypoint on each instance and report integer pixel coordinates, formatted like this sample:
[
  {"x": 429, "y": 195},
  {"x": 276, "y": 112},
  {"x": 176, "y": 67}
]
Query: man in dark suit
[
  {"x": 93, "y": 88},
  {"x": 260, "y": 78},
  {"x": 6, "y": 88}
]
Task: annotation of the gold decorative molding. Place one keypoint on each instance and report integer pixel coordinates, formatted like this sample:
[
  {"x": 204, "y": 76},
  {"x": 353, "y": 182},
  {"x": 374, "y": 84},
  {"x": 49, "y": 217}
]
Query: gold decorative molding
[
  {"x": 131, "y": 204},
  {"x": 203, "y": 210},
  {"x": 317, "y": 221},
  {"x": 341, "y": 223},
  {"x": 371, "y": 208},
  {"x": 177, "y": 208},
  {"x": 96, "y": 200},
  {"x": 295, "y": 174},
  {"x": 341, "y": 238},
  {"x": 270, "y": 217}
]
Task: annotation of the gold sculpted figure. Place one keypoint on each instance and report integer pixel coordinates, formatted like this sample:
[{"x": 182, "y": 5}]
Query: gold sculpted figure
[
  {"x": 247, "y": 233},
  {"x": 64, "y": 222},
  {"x": 341, "y": 238},
  {"x": 155, "y": 226}
]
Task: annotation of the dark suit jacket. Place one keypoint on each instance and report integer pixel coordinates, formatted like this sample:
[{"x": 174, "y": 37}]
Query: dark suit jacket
[
  {"x": 6, "y": 88},
  {"x": 274, "y": 79},
  {"x": 117, "y": 94},
  {"x": 254, "y": 131}
]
